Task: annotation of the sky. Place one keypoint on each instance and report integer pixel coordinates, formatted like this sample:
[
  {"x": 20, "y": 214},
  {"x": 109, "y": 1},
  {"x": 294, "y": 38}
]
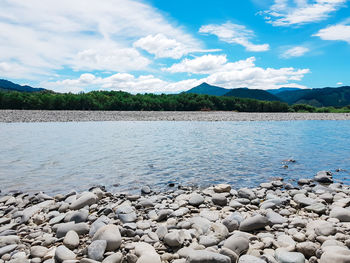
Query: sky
[{"x": 162, "y": 46}]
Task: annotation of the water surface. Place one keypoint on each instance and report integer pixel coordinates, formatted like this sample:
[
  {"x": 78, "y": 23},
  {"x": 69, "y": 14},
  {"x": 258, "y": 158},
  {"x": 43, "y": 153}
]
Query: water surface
[{"x": 58, "y": 157}]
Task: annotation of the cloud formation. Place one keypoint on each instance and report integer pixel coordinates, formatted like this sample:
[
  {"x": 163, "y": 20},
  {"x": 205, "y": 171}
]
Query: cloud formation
[
  {"x": 293, "y": 52},
  {"x": 234, "y": 34},
  {"x": 217, "y": 71},
  {"x": 43, "y": 38},
  {"x": 338, "y": 32},
  {"x": 298, "y": 12}
]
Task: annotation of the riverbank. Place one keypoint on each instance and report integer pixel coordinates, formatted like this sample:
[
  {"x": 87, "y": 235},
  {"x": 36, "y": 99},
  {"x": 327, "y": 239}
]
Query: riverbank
[
  {"x": 274, "y": 222},
  {"x": 77, "y": 116}
]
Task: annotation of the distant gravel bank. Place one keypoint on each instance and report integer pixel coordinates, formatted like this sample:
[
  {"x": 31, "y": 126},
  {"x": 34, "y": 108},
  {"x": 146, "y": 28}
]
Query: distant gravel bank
[{"x": 67, "y": 116}]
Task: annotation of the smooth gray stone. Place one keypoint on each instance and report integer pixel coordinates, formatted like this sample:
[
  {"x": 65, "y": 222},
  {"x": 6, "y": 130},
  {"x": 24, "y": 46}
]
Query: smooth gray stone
[
  {"x": 7, "y": 249},
  {"x": 126, "y": 214},
  {"x": 111, "y": 234},
  {"x": 62, "y": 253},
  {"x": 38, "y": 251},
  {"x": 283, "y": 256},
  {"x": 164, "y": 214},
  {"x": 237, "y": 244},
  {"x": 57, "y": 219},
  {"x": 219, "y": 199},
  {"x": 208, "y": 241},
  {"x": 250, "y": 259},
  {"x": 71, "y": 240},
  {"x": 231, "y": 223},
  {"x": 97, "y": 224},
  {"x": 200, "y": 223},
  {"x": 180, "y": 212},
  {"x": 145, "y": 190},
  {"x": 317, "y": 208},
  {"x": 9, "y": 240},
  {"x": 323, "y": 177},
  {"x": 80, "y": 228},
  {"x": 8, "y": 232},
  {"x": 86, "y": 199},
  {"x": 254, "y": 223},
  {"x": 30, "y": 211},
  {"x": 96, "y": 249},
  {"x": 340, "y": 213},
  {"x": 302, "y": 200},
  {"x": 174, "y": 238},
  {"x": 77, "y": 216},
  {"x": 114, "y": 258},
  {"x": 275, "y": 218},
  {"x": 203, "y": 256},
  {"x": 196, "y": 199},
  {"x": 246, "y": 193}
]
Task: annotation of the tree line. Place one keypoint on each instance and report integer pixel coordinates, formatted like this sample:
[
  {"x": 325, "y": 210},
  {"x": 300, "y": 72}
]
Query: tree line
[{"x": 123, "y": 101}]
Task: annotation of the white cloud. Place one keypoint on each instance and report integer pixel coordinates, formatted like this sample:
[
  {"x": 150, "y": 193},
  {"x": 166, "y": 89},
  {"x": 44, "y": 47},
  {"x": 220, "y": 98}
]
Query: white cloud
[
  {"x": 162, "y": 47},
  {"x": 339, "y": 83},
  {"x": 336, "y": 32},
  {"x": 297, "y": 51},
  {"x": 218, "y": 71},
  {"x": 200, "y": 65},
  {"x": 234, "y": 34},
  {"x": 54, "y": 35},
  {"x": 121, "y": 81},
  {"x": 283, "y": 13}
]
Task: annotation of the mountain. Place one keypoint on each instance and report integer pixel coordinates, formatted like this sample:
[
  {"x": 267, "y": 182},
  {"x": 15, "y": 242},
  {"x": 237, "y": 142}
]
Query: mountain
[
  {"x": 336, "y": 97},
  {"x": 276, "y": 91},
  {"x": 6, "y": 85},
  {"x": 207, "y": 89},
  {"x": 252, "y": 94}
]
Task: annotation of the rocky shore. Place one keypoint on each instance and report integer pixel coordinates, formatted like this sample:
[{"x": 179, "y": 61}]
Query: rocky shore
[
  {"x": 77, "y": 116},
  {"x": 275, "y": 222}
]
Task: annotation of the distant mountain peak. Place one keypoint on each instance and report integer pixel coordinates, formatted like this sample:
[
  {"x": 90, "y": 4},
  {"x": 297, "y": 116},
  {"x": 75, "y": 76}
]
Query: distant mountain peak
[
  {"x": 10, "y": 86},
  {"x": 207, "y": 89}
]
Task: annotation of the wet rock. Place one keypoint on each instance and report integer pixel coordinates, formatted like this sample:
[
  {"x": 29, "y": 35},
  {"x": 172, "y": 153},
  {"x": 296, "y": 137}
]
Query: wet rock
[
  {"x": 324, "y": 177},
  {"x": 196, "y": 199},
  {"x": 146, "y": 190},
  {"x": 246, "y": 193},
  {"x": 222, "y": 188},
  {"x": 219, "y": 199}
]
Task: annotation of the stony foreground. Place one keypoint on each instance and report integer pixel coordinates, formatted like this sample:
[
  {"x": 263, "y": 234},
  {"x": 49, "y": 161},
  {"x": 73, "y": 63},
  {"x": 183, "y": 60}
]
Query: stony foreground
[
  {"x": 67, "y": 116},
  {"x": 275, "y": 222}
]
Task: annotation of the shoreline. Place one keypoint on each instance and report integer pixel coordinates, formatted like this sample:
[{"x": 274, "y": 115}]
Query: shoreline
[
  {"x": 274, "y": 222},
  {"x": 12, "y": 116}
]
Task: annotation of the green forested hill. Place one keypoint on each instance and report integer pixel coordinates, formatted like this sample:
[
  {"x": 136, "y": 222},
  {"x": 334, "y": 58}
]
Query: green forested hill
[
  {"x": 336, "y": 97},
  {"x": 252, "y": 94},
  {"x": 6, "y": 85},
  {"x": 207, "y": 89}
]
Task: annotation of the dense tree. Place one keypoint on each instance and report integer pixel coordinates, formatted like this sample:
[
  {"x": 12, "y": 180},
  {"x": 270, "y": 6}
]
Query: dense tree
[{"x": 118, "y": 100}]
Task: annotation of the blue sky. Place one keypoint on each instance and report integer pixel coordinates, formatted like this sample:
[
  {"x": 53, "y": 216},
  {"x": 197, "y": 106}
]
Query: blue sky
[{"x": 171, "y": 46}]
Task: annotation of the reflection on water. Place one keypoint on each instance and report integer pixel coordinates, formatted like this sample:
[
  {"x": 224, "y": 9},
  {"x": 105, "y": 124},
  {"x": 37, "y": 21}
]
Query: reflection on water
[{"x": 59, "y": 157}]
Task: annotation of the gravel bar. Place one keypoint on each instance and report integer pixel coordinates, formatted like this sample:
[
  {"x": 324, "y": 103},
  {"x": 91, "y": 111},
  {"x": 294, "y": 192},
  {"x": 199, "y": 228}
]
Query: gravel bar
[
  {"x": 77, "y": 116},
  {"x": 273, "y": 223}
]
